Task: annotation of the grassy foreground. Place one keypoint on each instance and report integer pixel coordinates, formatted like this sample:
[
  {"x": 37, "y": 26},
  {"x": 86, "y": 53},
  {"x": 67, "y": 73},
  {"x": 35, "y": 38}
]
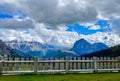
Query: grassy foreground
[{"x": 63, "y": 77}]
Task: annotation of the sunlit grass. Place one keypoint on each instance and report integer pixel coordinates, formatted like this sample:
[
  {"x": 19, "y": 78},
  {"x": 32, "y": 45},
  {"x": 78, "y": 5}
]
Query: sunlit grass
[{"x": 63, "y": 77}]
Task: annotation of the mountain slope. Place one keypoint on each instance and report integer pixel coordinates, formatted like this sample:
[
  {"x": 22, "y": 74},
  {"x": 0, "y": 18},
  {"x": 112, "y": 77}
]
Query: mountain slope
[
  {"x": 45, "y": 53},
  {"x": 112, "y": 52},
  {"x": 35, "y": 49},
  {"x": 5, "y": 50},
  {"x": 83, "y": 47}
]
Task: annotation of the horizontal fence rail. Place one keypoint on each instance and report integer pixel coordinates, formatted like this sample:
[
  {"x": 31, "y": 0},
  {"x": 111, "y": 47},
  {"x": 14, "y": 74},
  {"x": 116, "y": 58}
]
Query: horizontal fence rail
[{"x": 62, "y": 65}]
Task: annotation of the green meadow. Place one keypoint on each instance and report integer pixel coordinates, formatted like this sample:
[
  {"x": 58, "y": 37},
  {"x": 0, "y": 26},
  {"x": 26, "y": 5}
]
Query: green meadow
[{"x": 62, "y": 77}]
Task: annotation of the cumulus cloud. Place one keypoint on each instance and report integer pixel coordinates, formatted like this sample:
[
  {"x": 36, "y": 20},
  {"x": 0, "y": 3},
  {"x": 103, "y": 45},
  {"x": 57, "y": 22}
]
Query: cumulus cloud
[
  {"x": 115, "y": 24},
  {"x": 13, "y": 23},
  {"x": 58, "y": 38},
  {"x": 56, "y": 13},
  {"x": 10, "y": 7},
  {"x": 108, "y": 38},
  {"x": 106, "y": 8},
  {"x": 52, "y": 37},
  {"x": 59, "y": 12},
  {"x": 94, "y": 27}
]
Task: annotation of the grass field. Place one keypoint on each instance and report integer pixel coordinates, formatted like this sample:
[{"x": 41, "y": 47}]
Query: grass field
[{"x": 63, "y": 77}]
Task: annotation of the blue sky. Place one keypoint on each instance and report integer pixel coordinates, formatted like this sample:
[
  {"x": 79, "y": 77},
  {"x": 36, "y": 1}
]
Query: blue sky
[
  {"x": 6, "y": 16},
  {"x": 82, "y": 29}
]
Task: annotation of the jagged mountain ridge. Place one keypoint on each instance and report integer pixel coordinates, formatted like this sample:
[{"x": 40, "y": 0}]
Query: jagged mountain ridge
[
  {"x": 33, "y": 48},
  {"x": 82, "y": 47},
  {"x": 30, "y": 49},
  {"x": 28, "y": 45}
]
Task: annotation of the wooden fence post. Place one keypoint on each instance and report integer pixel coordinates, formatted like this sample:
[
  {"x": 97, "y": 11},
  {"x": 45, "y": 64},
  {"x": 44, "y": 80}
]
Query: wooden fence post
[
  {"x": 67, "y": 64},
  {"x": 35, "y": 64},
  {"x": 119, "y": 63},
  {"x": 0, "y": 66},
  {"x": 95, "y": 64}
]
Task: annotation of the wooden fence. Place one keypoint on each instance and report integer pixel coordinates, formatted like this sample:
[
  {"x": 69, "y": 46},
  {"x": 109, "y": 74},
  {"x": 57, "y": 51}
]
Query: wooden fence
[{"x": 62, "y": 65}]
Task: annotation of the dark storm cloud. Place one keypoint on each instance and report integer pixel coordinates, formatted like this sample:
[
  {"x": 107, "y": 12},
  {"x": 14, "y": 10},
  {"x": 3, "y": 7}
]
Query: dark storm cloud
[{"x": 52, "y": 13}]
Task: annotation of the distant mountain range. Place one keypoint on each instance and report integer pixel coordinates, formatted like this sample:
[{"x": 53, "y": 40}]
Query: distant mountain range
[
  {"x": 111, "y": 52},
  {"x": 45, "y": 53},
  {"x": 28, "y": 45},
  {"x": 36, "y": 49},
  {"x": 83, "y": 47}
]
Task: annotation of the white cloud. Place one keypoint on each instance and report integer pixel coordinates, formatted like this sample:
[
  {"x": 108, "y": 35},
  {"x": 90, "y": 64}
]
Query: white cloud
[
  {"x": 109, "y": 38},
  {"x": 52, "y": 13},
  {"x": 94, "y": 27},
  {"x": 52, "y": 37},
  {"x": 58, "y": 38},
  {"x": 16, "y": 23},
  {"x": 115, "y": 24},
  {"x": 57, "y": 13}
]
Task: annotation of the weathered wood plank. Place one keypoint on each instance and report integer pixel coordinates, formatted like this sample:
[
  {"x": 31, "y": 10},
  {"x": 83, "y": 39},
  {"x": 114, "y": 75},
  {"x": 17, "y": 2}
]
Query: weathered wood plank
[{"x": 76, "y": 64}]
